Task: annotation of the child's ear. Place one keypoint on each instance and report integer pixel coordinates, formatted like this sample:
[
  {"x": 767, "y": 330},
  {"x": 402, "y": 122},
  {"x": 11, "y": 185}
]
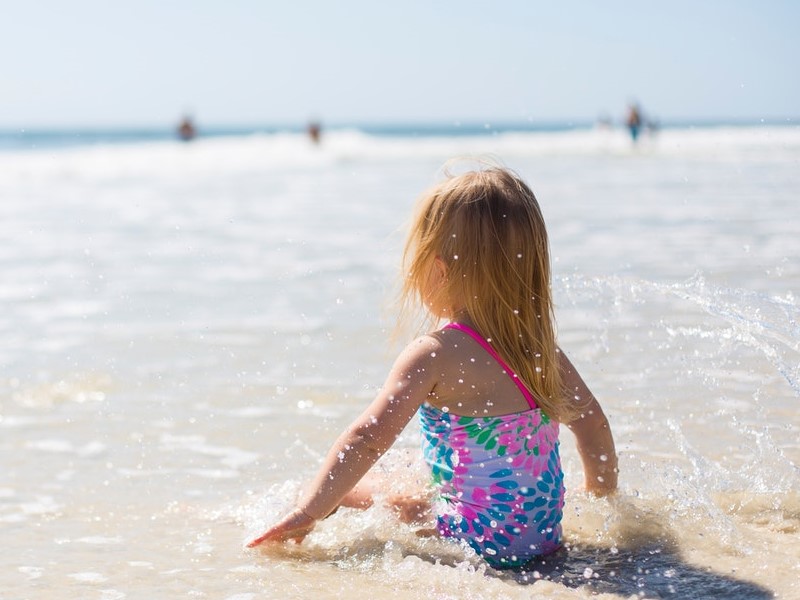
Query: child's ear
[{"x": 440, "y": 268}]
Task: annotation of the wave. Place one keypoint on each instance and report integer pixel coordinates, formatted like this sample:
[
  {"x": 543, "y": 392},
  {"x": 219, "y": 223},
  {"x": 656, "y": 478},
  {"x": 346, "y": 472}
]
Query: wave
[{"x": 261, "y": 152}]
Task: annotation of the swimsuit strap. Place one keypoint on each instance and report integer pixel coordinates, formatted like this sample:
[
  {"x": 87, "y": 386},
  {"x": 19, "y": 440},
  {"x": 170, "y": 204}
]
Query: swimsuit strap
[{"x": 486, "y": 346}]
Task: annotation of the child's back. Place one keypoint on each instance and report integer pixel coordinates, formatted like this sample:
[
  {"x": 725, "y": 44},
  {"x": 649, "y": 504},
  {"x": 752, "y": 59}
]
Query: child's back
[{"x": 493, "y": 455}]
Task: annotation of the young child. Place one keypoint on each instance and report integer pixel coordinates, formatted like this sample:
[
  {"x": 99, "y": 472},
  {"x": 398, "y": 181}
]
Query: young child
[{"x": 490, "y": 387}]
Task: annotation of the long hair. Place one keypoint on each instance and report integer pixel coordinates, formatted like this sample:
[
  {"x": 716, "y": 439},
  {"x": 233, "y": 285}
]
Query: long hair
[{"x": 487, "y": 227}]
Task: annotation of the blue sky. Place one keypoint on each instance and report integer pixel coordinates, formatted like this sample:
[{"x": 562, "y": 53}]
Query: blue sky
[{"x": 248, "y": 62}]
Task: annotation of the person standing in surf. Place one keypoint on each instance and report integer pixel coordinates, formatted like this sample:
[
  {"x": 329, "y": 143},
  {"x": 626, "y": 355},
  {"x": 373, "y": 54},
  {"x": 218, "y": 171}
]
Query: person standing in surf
[{"x": 633, "y": 121}]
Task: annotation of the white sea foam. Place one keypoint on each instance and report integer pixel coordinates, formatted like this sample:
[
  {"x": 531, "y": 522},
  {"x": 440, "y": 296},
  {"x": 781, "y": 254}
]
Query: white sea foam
[
  {"x": 89, "y": 577},
  {"x": 31, "y": 572},
  {"x": 243, "y": 156},
  {"x": 100, "y": 540}
]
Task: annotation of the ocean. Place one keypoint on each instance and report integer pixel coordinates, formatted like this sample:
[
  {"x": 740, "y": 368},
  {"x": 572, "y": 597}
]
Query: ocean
[{"x": 188, "y": 326}]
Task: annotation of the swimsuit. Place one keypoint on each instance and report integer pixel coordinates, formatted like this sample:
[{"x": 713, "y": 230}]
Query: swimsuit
[{"x": 498, "y": 478}]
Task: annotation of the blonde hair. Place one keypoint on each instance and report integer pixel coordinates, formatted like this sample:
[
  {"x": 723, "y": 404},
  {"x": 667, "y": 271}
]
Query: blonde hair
[{"x": 487, "y": 228}]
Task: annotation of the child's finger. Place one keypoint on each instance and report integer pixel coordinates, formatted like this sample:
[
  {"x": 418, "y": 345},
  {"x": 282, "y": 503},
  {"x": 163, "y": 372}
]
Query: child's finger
[
  {"x": 280, "y": 534},
  {"x": 294, "y": 526},
  {"x": 257, "y": 541}
]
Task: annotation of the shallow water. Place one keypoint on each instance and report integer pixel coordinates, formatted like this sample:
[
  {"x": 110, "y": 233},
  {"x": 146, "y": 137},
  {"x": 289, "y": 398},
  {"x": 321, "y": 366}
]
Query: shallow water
[{"x": 188, "y": 327}]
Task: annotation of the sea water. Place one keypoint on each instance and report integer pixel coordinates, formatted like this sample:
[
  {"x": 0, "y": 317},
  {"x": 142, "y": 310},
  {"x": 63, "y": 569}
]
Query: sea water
[{"x": 187, "y": 327}]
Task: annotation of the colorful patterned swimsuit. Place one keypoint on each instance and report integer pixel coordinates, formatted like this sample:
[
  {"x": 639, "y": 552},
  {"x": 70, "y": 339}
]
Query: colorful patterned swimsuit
[{"x": 499, "y": 478}]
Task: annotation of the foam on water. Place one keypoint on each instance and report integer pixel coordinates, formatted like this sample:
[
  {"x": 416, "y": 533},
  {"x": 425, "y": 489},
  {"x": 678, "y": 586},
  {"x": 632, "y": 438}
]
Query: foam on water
[{"x": 244, "y": 156}]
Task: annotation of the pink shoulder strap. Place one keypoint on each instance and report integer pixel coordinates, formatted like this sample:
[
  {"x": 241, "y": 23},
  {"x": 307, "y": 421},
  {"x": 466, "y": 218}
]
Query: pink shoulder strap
[{"x": 486, "y": 346}]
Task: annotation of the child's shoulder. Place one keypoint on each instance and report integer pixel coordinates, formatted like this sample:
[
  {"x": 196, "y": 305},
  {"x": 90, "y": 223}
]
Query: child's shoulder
[
  {"x": 430, "y": 347},
  {"x": 439, "y": 348},
  {"x": 428, "y": 344},
  {"x": 421, "y": 355}
]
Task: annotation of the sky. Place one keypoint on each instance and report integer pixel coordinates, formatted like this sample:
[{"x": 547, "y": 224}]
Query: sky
[{"x": 259, "y": 62}]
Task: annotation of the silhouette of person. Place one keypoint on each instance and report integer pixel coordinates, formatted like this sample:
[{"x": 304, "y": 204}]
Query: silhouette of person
[
  {"x": 186, "y": 129},
  {"x": 634, "y": 121},
  {"x": 314, "y": 131}
]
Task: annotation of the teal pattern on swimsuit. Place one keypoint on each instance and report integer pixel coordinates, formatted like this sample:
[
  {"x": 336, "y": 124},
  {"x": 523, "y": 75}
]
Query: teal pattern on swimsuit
[{"x": 499, "y": 478}]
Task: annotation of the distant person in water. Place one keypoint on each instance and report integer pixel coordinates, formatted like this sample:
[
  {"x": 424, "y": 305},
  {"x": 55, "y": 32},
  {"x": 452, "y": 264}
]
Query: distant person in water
[
  {"x": 186, "y": 129},
  {"x": 314, "y": 131},
  {"x": 634, "y": 121}
]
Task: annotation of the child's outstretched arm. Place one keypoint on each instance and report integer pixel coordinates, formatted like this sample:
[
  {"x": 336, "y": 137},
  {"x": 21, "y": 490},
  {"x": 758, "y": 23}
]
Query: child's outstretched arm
[
  {"x": 593, "y": 434},
  {"x": 408, "y": 385}
]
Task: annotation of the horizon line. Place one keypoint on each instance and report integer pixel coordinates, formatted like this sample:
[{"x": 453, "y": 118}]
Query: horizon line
[{"x": 454, "y": 123}]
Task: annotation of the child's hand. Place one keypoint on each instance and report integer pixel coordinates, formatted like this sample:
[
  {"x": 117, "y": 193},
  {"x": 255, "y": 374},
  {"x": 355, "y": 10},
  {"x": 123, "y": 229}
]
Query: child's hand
[{"x": 295, "y": 526}]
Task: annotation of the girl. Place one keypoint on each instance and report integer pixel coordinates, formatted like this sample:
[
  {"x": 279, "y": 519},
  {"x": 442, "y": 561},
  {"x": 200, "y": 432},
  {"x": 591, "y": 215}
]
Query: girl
[{"x": 490, "y": 387}]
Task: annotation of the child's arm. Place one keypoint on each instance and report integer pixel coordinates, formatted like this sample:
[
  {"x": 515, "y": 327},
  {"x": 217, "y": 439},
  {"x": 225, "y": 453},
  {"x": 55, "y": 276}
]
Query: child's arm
[
  {"x": 409, "y": 382},
  {"x": 593, "y": 434}
]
